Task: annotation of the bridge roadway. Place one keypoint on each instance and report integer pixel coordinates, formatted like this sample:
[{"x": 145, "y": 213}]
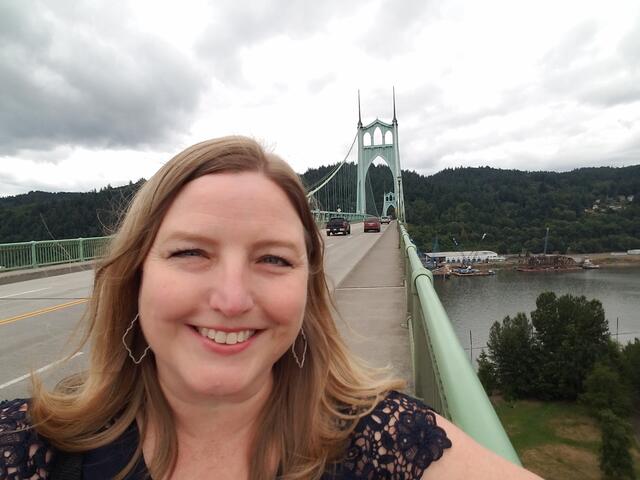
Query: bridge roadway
[{"x": 37, "y": 316}]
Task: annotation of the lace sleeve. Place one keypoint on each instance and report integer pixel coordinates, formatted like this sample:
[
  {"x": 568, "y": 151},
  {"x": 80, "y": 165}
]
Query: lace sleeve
[
  {"x": 398, "y": 440},
  {"x": 23, "y": 454}
]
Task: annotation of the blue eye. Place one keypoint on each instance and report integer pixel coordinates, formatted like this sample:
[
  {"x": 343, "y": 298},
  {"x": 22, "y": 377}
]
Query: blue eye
[
  {"x": 187, "y": 253},
  {"x": 275, "y": 260}
]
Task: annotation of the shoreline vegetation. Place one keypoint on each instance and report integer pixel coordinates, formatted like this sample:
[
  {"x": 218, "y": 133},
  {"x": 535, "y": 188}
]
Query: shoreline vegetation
[
  {"x": 568, "y": 394},
  {"x": 605, "y": 260}
]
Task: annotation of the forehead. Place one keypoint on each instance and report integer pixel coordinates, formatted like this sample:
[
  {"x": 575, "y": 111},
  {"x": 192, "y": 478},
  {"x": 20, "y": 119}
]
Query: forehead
[{"x": 233, "y": 200}]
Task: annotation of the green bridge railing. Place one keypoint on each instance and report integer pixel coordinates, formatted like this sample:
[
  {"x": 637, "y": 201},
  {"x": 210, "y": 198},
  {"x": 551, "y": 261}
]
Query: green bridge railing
[
  {"x": 15, "y": 256},
  {"x": 323, "y": 216},
  {"x": 443, "y": 375}
]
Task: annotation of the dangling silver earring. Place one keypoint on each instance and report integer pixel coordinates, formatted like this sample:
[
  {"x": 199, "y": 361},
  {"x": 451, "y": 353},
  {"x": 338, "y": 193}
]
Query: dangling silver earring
[
  {"x": 124, "y": 342},
  {"x": 304, "y": 349}
]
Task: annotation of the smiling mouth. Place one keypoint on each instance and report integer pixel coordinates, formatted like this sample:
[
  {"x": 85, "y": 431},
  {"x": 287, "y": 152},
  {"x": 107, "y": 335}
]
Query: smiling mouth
[{"x": 226, "y": 338}]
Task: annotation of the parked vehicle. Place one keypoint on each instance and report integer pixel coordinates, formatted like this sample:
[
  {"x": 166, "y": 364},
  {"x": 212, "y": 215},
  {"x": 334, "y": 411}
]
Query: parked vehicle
[
  {"x": 338, "y": 225},
  {"x": 385, "y": 219},
  {"x": 371, "y": 224}
]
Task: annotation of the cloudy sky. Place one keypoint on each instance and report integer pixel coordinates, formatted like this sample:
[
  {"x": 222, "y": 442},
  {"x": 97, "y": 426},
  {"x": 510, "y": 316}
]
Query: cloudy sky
[{"x": 100, "y": 92}]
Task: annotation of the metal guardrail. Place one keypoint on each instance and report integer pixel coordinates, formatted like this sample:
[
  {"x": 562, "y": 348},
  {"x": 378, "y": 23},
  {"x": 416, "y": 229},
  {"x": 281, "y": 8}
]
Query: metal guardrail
[
  {"x": 323, "y": 216},
  {"x": 16, "y": 256},
  {"x": 443, "y": 375}
]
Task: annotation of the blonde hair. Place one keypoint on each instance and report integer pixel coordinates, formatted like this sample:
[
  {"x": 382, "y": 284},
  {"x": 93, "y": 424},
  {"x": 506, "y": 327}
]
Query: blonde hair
[{"x": 305, "y": 423}]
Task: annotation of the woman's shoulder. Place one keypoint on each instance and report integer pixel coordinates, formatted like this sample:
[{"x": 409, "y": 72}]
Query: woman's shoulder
[
  {"x": 399, "y": 436},
  {"x": 23, "y": 453}
]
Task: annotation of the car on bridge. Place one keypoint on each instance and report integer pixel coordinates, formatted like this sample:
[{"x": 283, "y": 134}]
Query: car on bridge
[
  {"x": 371, "y": 224},
  {"x": 385, "y": 219},
  {"x": 338, "y": 225}
]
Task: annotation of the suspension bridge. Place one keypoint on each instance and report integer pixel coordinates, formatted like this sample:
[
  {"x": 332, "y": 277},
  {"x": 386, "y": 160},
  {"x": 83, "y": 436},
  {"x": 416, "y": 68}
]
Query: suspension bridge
[{"x": 392, "y": 314}]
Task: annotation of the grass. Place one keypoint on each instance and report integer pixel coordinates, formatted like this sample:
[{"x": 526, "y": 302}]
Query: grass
[{"x": 556, "y": 440}]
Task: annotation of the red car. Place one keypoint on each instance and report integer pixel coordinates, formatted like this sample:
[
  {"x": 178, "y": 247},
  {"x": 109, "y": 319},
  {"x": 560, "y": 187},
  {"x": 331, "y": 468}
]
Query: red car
[{"x": 372, "y": 224}]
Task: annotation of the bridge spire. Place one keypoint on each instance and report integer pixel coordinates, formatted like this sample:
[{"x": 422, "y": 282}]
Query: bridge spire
[
  {"x": 359, "y": 116},
  {"x": 395, "y": 120}
]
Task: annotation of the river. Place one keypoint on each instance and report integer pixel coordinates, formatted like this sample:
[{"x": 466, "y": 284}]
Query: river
[{"x": 474, "y": 303}]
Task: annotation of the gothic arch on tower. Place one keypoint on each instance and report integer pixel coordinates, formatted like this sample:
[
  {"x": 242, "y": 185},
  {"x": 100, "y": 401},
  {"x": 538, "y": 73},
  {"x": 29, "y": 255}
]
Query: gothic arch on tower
[{"x": 382, "y": 141}]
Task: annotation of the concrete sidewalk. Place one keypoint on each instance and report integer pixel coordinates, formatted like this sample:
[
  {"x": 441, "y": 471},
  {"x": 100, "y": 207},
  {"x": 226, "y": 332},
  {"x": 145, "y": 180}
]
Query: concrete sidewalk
[
  {"x": 42, "y": 272},
  {"x": 371, "y": 301}
]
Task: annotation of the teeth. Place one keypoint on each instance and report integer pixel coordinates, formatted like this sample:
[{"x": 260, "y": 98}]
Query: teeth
[{"x": 225, "y": 338}]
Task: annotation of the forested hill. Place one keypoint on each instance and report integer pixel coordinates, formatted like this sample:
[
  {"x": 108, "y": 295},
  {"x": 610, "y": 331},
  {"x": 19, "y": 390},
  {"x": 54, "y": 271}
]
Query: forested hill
[
  {"x": 46, "y": 216},
  {"x": 512, "y": 207},
  {"x": 586, "y": 210}
]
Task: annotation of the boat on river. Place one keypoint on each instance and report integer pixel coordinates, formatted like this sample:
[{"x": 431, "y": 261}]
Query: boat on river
[
  {"x": 587, "y": 264},
  {"x": 469, "y": 271}
]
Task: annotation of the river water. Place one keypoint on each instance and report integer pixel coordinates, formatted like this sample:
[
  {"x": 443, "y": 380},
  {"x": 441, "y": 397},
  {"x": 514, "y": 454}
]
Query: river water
[{"x": 474, "y": 303}]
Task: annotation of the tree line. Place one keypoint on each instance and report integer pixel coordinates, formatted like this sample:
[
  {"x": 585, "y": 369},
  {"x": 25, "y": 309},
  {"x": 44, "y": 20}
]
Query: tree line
[
  {"x": 564, "y": 352},
  {"x": 47, "y": 216},
  {"x": 456, "y": 206}
]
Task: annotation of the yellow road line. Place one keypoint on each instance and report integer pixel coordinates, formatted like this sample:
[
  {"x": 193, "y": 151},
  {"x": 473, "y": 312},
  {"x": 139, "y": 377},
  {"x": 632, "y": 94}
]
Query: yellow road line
[{"x": 6, "y": 321}]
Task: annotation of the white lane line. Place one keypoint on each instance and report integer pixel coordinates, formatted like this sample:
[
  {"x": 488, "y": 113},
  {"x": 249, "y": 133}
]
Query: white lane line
[
  {"x": 22, "y": 293},
  {"x": 40, "y": 370}
]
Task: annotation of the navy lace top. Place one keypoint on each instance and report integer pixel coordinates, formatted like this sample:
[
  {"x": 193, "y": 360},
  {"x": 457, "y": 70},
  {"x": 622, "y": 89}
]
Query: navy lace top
[{"x": 398, "y": 440}]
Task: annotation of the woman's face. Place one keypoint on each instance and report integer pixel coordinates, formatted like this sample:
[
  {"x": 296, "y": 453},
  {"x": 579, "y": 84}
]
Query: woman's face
[{"x": 224, "y": 287}]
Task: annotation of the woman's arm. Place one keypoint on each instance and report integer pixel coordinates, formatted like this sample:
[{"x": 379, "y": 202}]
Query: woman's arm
[{"x": 468, "y": 459}]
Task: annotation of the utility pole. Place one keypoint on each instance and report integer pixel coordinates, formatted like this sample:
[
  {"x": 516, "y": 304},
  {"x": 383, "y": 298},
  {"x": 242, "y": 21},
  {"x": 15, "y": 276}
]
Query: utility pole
[{"x": 546, "y": 240}]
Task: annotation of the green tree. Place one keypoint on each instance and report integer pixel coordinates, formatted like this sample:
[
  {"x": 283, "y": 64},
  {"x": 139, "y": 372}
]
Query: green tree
[
  {"x": 512, "y": 351},
  {"x": 604, "y": 389},
  {"x": 487, "y": 373},
  {"x": 631, "y": 361},
  {"x": 571, "y": 334},
  {"x": 615, "y": 459}
]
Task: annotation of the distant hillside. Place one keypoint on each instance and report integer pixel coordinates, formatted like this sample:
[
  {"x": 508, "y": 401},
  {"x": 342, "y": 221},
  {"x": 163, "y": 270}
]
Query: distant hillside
[
  {"x": 514, "y": 208},
  {"x": 46, "y": 216},
  {"x": 586, "y": 210}
]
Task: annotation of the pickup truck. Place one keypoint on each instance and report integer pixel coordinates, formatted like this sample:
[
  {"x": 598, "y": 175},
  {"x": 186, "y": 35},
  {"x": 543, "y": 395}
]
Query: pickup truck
[{"x": 338, "y": 225}]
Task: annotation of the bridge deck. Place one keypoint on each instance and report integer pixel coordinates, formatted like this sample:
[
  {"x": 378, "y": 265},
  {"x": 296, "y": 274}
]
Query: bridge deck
[{"x": 371, "y": 301}]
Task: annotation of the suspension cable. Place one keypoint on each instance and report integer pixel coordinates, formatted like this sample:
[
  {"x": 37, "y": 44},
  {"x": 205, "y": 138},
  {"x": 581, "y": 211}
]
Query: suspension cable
[{"x": 333, "y": 174}]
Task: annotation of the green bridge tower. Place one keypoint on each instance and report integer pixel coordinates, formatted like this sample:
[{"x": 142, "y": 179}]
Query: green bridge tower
[{"x": 379, "y": 139}]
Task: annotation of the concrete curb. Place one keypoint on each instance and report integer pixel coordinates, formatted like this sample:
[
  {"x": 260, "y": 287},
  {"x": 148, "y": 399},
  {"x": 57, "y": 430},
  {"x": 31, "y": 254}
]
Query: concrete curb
[{"x": 43, "y": 272}]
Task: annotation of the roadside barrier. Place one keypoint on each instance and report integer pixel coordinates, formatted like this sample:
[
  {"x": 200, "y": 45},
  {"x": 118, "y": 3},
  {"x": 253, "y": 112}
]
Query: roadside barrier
[{"x": 444, "y": 378}]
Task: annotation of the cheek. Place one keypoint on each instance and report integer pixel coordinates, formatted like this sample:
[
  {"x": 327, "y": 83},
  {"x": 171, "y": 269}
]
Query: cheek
[
  {"x": 287, "y": 303},
  {"x": 162, "y": 293}
]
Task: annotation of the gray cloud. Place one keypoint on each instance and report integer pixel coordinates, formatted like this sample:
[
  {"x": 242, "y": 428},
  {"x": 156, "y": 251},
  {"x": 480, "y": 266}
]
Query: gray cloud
[
  {"x": 395, "y": 25},
  {"x": 575, "y": 70},
  {"x": 577, "y": 43},
  {"x": 72, "y": 73},
  {"x": 238, "y": 25}
]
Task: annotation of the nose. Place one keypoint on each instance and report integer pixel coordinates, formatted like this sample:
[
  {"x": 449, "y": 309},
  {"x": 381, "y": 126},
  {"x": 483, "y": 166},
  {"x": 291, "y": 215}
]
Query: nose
[{"x": 230, "y": 292}]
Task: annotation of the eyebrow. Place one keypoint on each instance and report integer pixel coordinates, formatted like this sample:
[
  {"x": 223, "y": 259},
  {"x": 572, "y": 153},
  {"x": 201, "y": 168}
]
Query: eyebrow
[{"x": 263, "y": 243}]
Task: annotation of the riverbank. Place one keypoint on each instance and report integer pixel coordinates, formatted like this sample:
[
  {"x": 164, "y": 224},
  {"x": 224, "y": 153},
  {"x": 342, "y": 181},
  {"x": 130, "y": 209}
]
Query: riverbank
[{"x": 611, "y": 259}]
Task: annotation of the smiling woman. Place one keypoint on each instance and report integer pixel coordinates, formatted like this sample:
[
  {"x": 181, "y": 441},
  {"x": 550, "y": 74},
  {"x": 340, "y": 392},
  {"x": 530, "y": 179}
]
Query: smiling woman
[{"x": 214, "y": 353}]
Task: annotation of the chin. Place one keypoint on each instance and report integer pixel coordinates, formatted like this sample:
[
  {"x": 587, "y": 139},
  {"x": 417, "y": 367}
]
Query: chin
[{"x": 225, "y": 385}]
